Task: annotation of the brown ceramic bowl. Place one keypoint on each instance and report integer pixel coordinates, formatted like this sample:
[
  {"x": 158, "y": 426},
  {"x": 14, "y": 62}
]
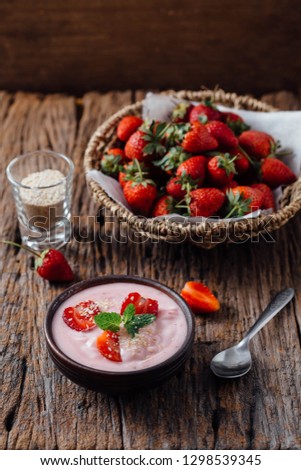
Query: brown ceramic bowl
[{"x": 119, "y": 382}]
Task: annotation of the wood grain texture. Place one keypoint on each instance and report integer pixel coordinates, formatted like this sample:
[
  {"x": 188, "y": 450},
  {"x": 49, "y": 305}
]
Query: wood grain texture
[
  {"x": 194, "y": 410},
  {"x": 77, "y": 46}
]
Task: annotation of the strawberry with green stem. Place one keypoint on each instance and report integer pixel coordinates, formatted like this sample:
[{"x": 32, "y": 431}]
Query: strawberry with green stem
[
  {"x": 235, "y": 122},
  {"x": 221, "y": 169},
  {"x": 175, "y": 133},
  {"x": 140, "y": 192},
  {"x": 205, "y": 112},
  {"x": 147, "y": 141},
  {"x": 130, "y": 170},
  {"x": 50, "y": 264},
  {"x": 181, "y": 112},
  {"x": 195, "y": 168},
  {"x": 242, "y": 200},
  {"x": 178, "y": 186},
  {"x": 202, "y": 202},
  {"x": 173, "y": 158},
  {"x": 112, "y": 162}
]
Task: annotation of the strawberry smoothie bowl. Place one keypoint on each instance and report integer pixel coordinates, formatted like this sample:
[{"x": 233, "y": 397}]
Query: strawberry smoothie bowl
[{"x": 119, "y": 333}]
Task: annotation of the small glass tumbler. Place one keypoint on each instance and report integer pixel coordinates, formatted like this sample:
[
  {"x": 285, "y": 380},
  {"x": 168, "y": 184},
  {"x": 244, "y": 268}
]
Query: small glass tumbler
[{"x": 42, "y": 186}]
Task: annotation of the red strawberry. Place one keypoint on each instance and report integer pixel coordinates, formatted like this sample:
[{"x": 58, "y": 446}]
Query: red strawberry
[
  {"x": 195, "y": 168},
  {"x": 147, "y": 142},
  {"x": 205, "y": 202},
  {"x": 121, "y": 178},
  {"x": 223, "y": 134},
  {"x": 81, "y": 317},
  {"x": 181, "y": 112},
  {"x": 175, "y": 189},
  {"x": 198, "y": 139},
  {"x": 242, "y": 164},
  {"x": 111, "y": 162},
  {"x": 275, "y": 173},
  {"x": 242, "y": 200},
  {"x": 51, "y": 264},
  {"x": 117, "y": 152},
  {"x": 268, "y": 201},
  {"x": 134, "y": 148},
  {"x": 141, "y": 304},
  {"x": 140, "y": 195},
  {"x": 235, "y": 122},
  {"x": 221, "y": 169},
  {"x": 178, "y": 186},
  {"x": 257, "y": 144},
  {"x": 203, "y": 113},
  {"x": 127, "y": 126},
  {"x": 131, "y": 170},
  {"x": 164, "y": 206},
  {"x": 108, "y": 345},
  {"x": 200, "y": 298}
]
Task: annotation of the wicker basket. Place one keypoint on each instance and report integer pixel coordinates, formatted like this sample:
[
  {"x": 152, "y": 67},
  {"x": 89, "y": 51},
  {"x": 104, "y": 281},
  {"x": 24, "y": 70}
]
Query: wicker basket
[{"x": 204, "y": 234}]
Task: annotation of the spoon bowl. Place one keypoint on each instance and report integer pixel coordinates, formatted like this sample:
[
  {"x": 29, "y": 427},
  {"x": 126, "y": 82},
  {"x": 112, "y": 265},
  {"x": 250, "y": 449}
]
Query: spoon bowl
[
  {"x": 232, "y": 362},
  {"x": 237, "y": 361}
]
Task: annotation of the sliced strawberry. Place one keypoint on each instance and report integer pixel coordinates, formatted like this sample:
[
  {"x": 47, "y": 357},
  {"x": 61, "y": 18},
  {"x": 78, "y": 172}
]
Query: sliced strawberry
[
  {"x": 200, "y": 298},
  {"x": 141, "y": 304},
  {"x": 81, "y": 317},
  {"x": 108, "y": 345}
]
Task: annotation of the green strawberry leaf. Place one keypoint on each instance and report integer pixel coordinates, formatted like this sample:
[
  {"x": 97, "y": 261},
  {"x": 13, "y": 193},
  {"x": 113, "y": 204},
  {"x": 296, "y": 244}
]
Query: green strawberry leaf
[
  {"x": 137, "y": 322},
  {"x": 108, "y": 321},
  {"x": 129, "y": 313}
]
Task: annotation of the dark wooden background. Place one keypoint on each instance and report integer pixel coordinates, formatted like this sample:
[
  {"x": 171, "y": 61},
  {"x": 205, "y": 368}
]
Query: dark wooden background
[
  {"x": 78, "y": 45},
  {"x": 194, "y": 410}
]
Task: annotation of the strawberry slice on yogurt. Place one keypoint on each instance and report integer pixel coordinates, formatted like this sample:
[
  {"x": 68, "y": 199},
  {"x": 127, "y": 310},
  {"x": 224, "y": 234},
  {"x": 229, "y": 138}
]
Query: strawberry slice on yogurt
[
  {"x": 108, "y": 345},
  {"x": 81, "y": 317},
  {"x": 142, "y": 305}
]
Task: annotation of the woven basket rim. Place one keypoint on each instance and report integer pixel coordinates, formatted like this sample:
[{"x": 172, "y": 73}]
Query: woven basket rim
[{"x": 160, "y": 228}]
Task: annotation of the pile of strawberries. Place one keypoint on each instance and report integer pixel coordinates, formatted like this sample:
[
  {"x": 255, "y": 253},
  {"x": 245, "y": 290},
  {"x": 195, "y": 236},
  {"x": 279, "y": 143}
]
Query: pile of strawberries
[{"x": 203, "y": 163}]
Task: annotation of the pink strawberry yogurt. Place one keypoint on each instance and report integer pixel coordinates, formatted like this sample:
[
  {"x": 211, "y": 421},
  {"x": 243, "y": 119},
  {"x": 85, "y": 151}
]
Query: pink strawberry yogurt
[{"x": 152, "y": 345}]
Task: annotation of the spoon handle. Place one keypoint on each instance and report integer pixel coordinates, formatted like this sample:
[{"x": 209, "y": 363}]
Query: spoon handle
[{"x": 277, "y": 304}]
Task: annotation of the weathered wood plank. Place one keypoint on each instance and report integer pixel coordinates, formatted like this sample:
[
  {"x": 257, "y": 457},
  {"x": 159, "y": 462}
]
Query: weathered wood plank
[
  {"x": 45, "y": 410},
  {"x": 54, "y": 47}
]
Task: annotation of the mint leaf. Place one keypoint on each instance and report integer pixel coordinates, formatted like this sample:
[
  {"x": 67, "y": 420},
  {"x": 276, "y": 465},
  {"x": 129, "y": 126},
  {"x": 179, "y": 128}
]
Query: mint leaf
[
  {"x": 129, "y": 313},
  {"x": 108, "y": 321},
  {"x": 137, "y": 322}
]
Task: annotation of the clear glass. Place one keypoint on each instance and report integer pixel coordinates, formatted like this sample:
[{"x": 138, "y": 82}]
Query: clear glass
[{"x": 43, "y": 201}]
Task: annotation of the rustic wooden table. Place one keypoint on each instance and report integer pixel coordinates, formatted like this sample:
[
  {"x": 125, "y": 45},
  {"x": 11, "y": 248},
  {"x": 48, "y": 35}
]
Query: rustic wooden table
[{"x": 194, "y": 410}]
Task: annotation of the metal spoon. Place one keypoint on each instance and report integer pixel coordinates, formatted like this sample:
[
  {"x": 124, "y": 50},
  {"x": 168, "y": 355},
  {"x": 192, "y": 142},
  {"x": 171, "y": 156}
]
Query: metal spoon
[{"x": 237, "y": 361}]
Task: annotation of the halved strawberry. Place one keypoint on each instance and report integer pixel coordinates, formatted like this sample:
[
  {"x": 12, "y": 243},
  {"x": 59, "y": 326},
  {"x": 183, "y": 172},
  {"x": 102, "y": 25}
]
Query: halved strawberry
[
  {"x": 108, "y": 345},
  {"x": 141, "y": 304},
  {"x": 81, "y": 317},
  {"x": 200, "y": 298}
]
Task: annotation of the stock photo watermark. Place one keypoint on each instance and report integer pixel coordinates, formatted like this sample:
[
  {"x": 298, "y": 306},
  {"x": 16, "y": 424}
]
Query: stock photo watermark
[{"x": 103, "y": 228}]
